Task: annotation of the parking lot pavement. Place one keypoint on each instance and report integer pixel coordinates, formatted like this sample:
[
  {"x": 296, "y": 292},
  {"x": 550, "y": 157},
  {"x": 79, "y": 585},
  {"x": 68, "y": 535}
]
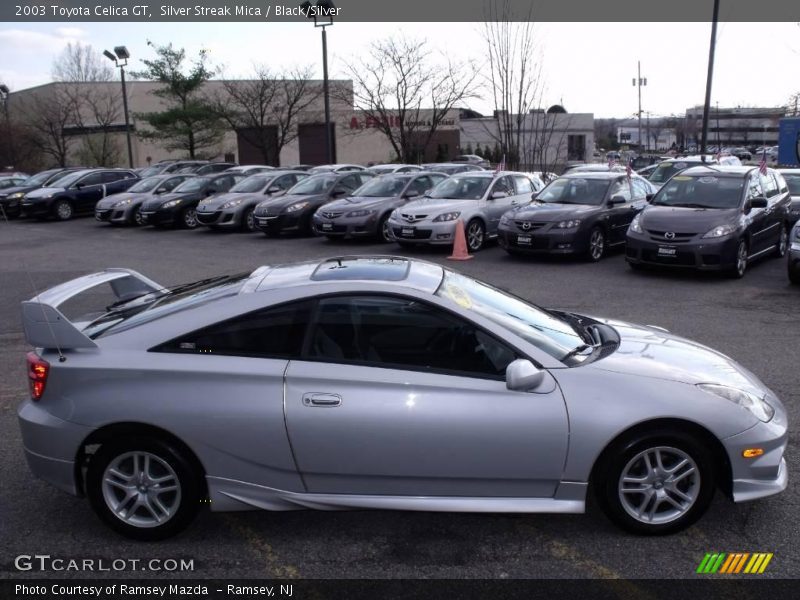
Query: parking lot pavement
[{"x": 755, "y": 320}]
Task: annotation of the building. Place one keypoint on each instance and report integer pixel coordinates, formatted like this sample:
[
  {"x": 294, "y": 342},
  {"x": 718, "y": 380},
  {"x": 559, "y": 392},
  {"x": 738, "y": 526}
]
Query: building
[
  {"x": 748, "y": 127},
  {"x": 658, "y": 133}
]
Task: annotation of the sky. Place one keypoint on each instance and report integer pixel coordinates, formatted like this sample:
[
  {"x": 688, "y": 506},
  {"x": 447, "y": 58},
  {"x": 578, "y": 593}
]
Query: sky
[{"x": 587, "y": 67}]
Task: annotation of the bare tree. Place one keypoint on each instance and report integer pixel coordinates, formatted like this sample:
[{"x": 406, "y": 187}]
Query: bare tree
[
  {"x": 80, "y": 62},
  {"x": 406, "y": 93},
  {"x": 48, "y": 115},
  {"x": 265, "y": 110}
]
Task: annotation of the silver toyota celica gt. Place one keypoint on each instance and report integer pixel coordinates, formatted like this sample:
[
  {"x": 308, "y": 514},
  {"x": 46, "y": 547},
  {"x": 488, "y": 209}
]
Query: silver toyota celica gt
[{"x": 383, "y": 383}]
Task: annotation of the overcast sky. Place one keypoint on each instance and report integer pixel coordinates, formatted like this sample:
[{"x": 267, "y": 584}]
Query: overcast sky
[{"x": 587, "y": 66}]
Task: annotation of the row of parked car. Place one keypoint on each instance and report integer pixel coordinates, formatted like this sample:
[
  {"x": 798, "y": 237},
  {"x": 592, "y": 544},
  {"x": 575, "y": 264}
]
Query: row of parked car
[{"x": 691, "y": 213}]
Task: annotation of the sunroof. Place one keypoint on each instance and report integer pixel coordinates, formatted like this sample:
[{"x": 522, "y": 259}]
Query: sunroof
[{"x": 377, "y": 269}]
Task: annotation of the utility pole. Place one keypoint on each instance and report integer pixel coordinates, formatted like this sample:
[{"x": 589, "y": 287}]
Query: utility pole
[
  {"x": 709, "y": 79},
  {"x": 639, "y": 82}
]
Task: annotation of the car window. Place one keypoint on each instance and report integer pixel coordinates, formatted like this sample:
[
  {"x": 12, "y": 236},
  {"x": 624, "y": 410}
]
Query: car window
[
  {"x": 640, "y": 188},
  {"x": 420, "y": 185},
  {"x": 754, "y": 189},
  {"x": 620, "y": 188},
  {"x": 523, "y": 185},
  {"x": 782, "y": 185},
  {"x": 91, "y": 179},
  {"x": 703, "y": 191},
  {"x": 276, "y": 332},
  {"x": 769, "y": 185},
  {"x": 402, "y": 333},
  {"x": 112, "y": 176}
]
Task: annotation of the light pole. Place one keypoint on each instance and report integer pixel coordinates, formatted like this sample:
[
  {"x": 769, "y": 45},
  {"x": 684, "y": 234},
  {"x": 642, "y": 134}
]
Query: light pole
[
  {"x": 709, "y": 78},
  {"x": 324, "y": 9},
  {"x": 4, "y": 92},
  {"x": 121, "y": 54},
  {"x": 639, "y": 82}
]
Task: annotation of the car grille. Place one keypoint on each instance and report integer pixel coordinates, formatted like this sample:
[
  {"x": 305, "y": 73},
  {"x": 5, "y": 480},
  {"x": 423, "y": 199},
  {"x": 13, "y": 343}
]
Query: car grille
[
  {"x": 409, "y": 218},
  {"x": 209, "y": 218},
  {"x": 529, "y": 225},
  {"x": 661, "y": 236},
  {"x": 102, "y": 215},
  {"x": 331, "y": 214}
]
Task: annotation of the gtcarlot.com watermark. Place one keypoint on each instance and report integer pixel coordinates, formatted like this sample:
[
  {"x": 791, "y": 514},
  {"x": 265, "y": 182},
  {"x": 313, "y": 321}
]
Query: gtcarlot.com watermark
[{"x": 48, "y": 563}]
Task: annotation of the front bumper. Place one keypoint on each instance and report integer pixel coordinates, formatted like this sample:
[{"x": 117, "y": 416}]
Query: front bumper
[
  {"x": 227, "y": 218},
  {"x": 38, "y": 208},
  {"x": 558, "y": 241},
  {"x": 281, "y": 223},
  {"x": 346, "y": 227},
  {"x": 11, "y": 206},
  {"x": 426, "y": 232},
  {"x": 162, "y": 216},
  {"x": 117, "y": 216},
  {"x": 51, "y": 445},
  {"x": 697, "y": 253}
]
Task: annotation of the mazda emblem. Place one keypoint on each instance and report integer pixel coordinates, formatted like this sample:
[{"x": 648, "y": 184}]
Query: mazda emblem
[
  {"x": 669, "y": 235},
  {"x": 526, "y": 225}
]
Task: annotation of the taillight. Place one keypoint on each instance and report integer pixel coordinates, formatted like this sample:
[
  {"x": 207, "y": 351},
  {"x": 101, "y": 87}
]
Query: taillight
[{"x": 38, "y": 370}]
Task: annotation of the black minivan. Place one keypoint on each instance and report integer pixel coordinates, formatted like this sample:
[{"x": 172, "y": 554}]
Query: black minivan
[{"x": 712, "y": 218}]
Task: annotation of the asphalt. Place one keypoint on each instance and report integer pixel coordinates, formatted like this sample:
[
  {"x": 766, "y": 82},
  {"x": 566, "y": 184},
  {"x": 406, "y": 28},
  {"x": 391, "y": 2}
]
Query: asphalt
[{"x": 755, "y": 320}]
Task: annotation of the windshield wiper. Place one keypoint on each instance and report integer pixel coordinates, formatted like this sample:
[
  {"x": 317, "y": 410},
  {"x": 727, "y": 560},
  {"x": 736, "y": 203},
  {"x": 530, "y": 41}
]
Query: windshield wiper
[
  {"x": 685, "y": 205},
  {"x": 579, "y": 351}
]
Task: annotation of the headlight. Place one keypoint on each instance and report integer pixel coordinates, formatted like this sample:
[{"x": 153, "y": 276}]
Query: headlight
[
  {"x": 720, "y": 231},
  {"x": 451, "y": 216},
  {"x": 797, "y": 233},
  {"x": 569, "y": 224},
  {"x": 16, "y": 195},
  {"x": 233, "y": 203},
  {"x": 754, "y": 404},
  {"x": 296, "y": 206},
  {"x": 636, "y": 224},
  {"x": 171, "y": 203},
  {"x": 360, "y": 213},
  {"x": 122, "y": 203},
  {"x": 504, "y": 220}
]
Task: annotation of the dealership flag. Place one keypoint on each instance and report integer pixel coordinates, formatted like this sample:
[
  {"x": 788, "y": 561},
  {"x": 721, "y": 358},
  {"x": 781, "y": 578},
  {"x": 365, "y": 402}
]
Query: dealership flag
[
  {"x": 762, "y": 166},
  {"x": 611, "y": 163},
  {"x": 501, "y": 166},
  {"x": 628, "y": 168}
]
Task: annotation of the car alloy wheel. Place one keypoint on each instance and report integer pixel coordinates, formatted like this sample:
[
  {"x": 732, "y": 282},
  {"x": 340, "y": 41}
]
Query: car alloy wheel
[
  {"x": 783, "y": 243},
  {"x": 384, "y": 229},
  {"x": 190, "y": 218},
  {"x": 741, "y": 260},
  {"x": 137, "y": 217},
  {"x": 475, "y": 235},
  {"x": 249, "y": 220},
  {"x": 597, "y": 244},
  {"x": 63, "y": 210},
  {"x": 143, "y": 488}
]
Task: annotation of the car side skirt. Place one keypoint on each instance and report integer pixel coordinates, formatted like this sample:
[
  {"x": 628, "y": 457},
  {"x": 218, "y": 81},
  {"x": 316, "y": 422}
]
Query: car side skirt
[{"x": 232, "y": 495}]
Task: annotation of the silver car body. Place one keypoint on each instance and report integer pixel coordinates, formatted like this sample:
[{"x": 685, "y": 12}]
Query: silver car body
[
  {"x": 393, "y": 168},
  {"x": 361, "y": 215},
  {"x": 122, "y": 208},
  {"x": 422, "y": 221},
  {"x": 289, "y": 433}
]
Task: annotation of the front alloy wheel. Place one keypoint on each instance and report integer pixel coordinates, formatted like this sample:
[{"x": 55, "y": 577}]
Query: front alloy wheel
[
  {"x": 385, "y": 230},
  {"x": 597, "y": 244},
  {"x": 783, "y": 243},
  {"x": 741, "y": 260},
  {"x": 475, "y": 235},
  {"x": 144, "y": 489},
  {"x": 63, "y": 210},
  {"x": 189, "y": 218},
  {"x": 137, "y": 217},
  {"x": 249, "y": 220}
]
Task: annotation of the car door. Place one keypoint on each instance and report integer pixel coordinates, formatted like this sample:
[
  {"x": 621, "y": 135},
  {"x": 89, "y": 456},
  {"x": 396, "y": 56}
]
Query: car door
[
  {"x": 88, "y": 191},
  {"x": 777, "y": 205},
  {"x": 495, "y": 208},
  {"x": 758, "y": 224},
  {"x": 619, "y": 216},
  {"x": 397, "y": 396},
  {"x": 117, "y": 181}
]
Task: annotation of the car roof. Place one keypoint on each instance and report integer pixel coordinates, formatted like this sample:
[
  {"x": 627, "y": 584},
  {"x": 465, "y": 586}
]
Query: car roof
[
  {"x": 724, "y": 170},
  {"x": 594, "y": 174}
]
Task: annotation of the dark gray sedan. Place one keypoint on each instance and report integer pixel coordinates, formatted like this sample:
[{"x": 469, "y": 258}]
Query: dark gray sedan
[
  {"x": 234, "y": 209},
  {"x": 123, "y": 208},
  {"x": 366, "y": 212}
]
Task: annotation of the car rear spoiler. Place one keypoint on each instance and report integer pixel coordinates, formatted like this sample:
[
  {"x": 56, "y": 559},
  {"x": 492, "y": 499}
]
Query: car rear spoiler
[{"x": 46, "y": 327}]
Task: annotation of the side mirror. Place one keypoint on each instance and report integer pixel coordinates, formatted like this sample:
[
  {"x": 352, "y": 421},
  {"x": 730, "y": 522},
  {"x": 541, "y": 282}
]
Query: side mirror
[
  {"x": 79, "y": 186},
  {"x": 522, "y": 375},
  {"x": 614, "y": 200},
  {"x": 273, "y": 189},
  {"x": 411, "y": 194},
  {"x": 210, "y": 192},
  {"x": 161, "y": 190},
  {"x": 496, "y": 195},
  {"x": 760, "y": 202},
  {"x": 649, "y": 197},
  {"x": 337, "y": 193}
]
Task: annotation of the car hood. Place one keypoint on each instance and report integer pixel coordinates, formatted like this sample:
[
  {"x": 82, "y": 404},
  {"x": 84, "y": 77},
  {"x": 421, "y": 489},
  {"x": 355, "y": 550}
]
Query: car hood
[
  {"x": 18, "y": 188},
  {"x": 157, "y": 201},
  {"x": 284, "y": 201},
  {"x": 216, "y": 202},
  {"x": 44, "y": 192},
  {"x": 553, "y": 212},
  {"x": 686, "y": 220},
  {"x": 434, "y": 206},
  {"x": 110, "y": 201},
  {"x": 650, "y": 352},
  {"x": 360, "y": 202}
]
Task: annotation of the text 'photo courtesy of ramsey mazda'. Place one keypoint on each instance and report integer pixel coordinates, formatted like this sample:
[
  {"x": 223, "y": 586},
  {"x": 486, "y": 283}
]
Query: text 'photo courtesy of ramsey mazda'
[
  {"x": 381, "y": 382},
  {"x": 581, "y": 213},
  {"x": 713, "y": 219}
]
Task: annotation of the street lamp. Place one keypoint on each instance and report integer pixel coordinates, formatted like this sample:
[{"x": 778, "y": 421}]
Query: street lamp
[
  {"x": 639, "y": 82},
  {"x": 121, "y": 54},
  {"x": 4, "y": 92},
  {"x": 324, "y": 10}
]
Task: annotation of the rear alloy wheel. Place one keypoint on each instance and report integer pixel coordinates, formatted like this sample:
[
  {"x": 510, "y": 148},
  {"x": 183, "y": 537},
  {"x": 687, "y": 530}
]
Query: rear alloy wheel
[
  {"x": 657, "y": 485},
  {"x": 476, "y": 235},
  {"x": 783, "y": 244},
  {"x": 189, "y": 218},
  {"x": 62, "y": 209},
  {"x": 384, "y": 229},
  {"x": 144, "y": 489},
  {"x": 249, "y": 220},
  {"x": 740, "y": 266},
  {"x": 597, "y": 244}
]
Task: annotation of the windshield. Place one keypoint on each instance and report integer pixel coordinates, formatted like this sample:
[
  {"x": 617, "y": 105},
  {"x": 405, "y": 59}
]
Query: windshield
[
  {"x": 146, "y": 185},
  {"x": 195, "y": 184},
  {"x": 540, "y": 328},
  {"x": 665, "y": 170},
  {"x": 150, "y": 171},
  {"x": 701, "y": 192},
  {"x": 67, "y": 180},
  {"x": 156, "y": 304},
  {"x": 382, "y": 187},
  {"x": 314, "y": 185},
  {"x": 793, "y": 181},
  {"x": 461, "y": 187},
  {"x": 575, "y": 190},
  {"x": 250, "y": 185},
  {"x": 382, "y": 170},
  {"x": 40, "y": 178}
]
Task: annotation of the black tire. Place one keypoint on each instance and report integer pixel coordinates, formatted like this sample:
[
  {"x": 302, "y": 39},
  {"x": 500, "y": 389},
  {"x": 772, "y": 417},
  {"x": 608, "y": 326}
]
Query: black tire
[
  {"x": 740, "y": 266},
  {"x": 189, "y": 218},
  {"x": 63, "y": 210},
  {"x": 184, "y": 503},
  {"x": 137, "y": 218},
  {"x": 597, "y": 244},
  {"x": 476, "y": 235},
  {"x": 698, "y": 485},
  {"x": 783, "y": 243},
  {"x": 794, "y": 273},
  {"x": 383, "y": 232},
  {"x": 249, "y": 220}
]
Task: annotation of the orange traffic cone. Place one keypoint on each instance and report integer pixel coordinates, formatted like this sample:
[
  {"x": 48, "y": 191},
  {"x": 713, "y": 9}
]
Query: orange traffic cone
[{"x": 460, "y": 244}]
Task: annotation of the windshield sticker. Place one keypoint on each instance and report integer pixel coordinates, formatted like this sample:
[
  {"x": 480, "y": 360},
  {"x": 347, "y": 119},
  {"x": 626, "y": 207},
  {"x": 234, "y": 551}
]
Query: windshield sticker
[
  {"x": 707, "y": 179},
  {"x": 681, "y": 165},
  {"x": 579, "y": 181},
  {"x": 681, "y": 178},
  {"x": 459, "y": 296}
]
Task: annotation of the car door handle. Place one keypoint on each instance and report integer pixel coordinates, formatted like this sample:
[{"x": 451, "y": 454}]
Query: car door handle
[{"x": 317, "y": 399}]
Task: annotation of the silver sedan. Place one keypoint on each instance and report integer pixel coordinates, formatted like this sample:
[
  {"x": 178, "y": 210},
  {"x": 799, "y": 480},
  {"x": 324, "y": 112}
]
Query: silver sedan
[{"x": 383, "y": 383}]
